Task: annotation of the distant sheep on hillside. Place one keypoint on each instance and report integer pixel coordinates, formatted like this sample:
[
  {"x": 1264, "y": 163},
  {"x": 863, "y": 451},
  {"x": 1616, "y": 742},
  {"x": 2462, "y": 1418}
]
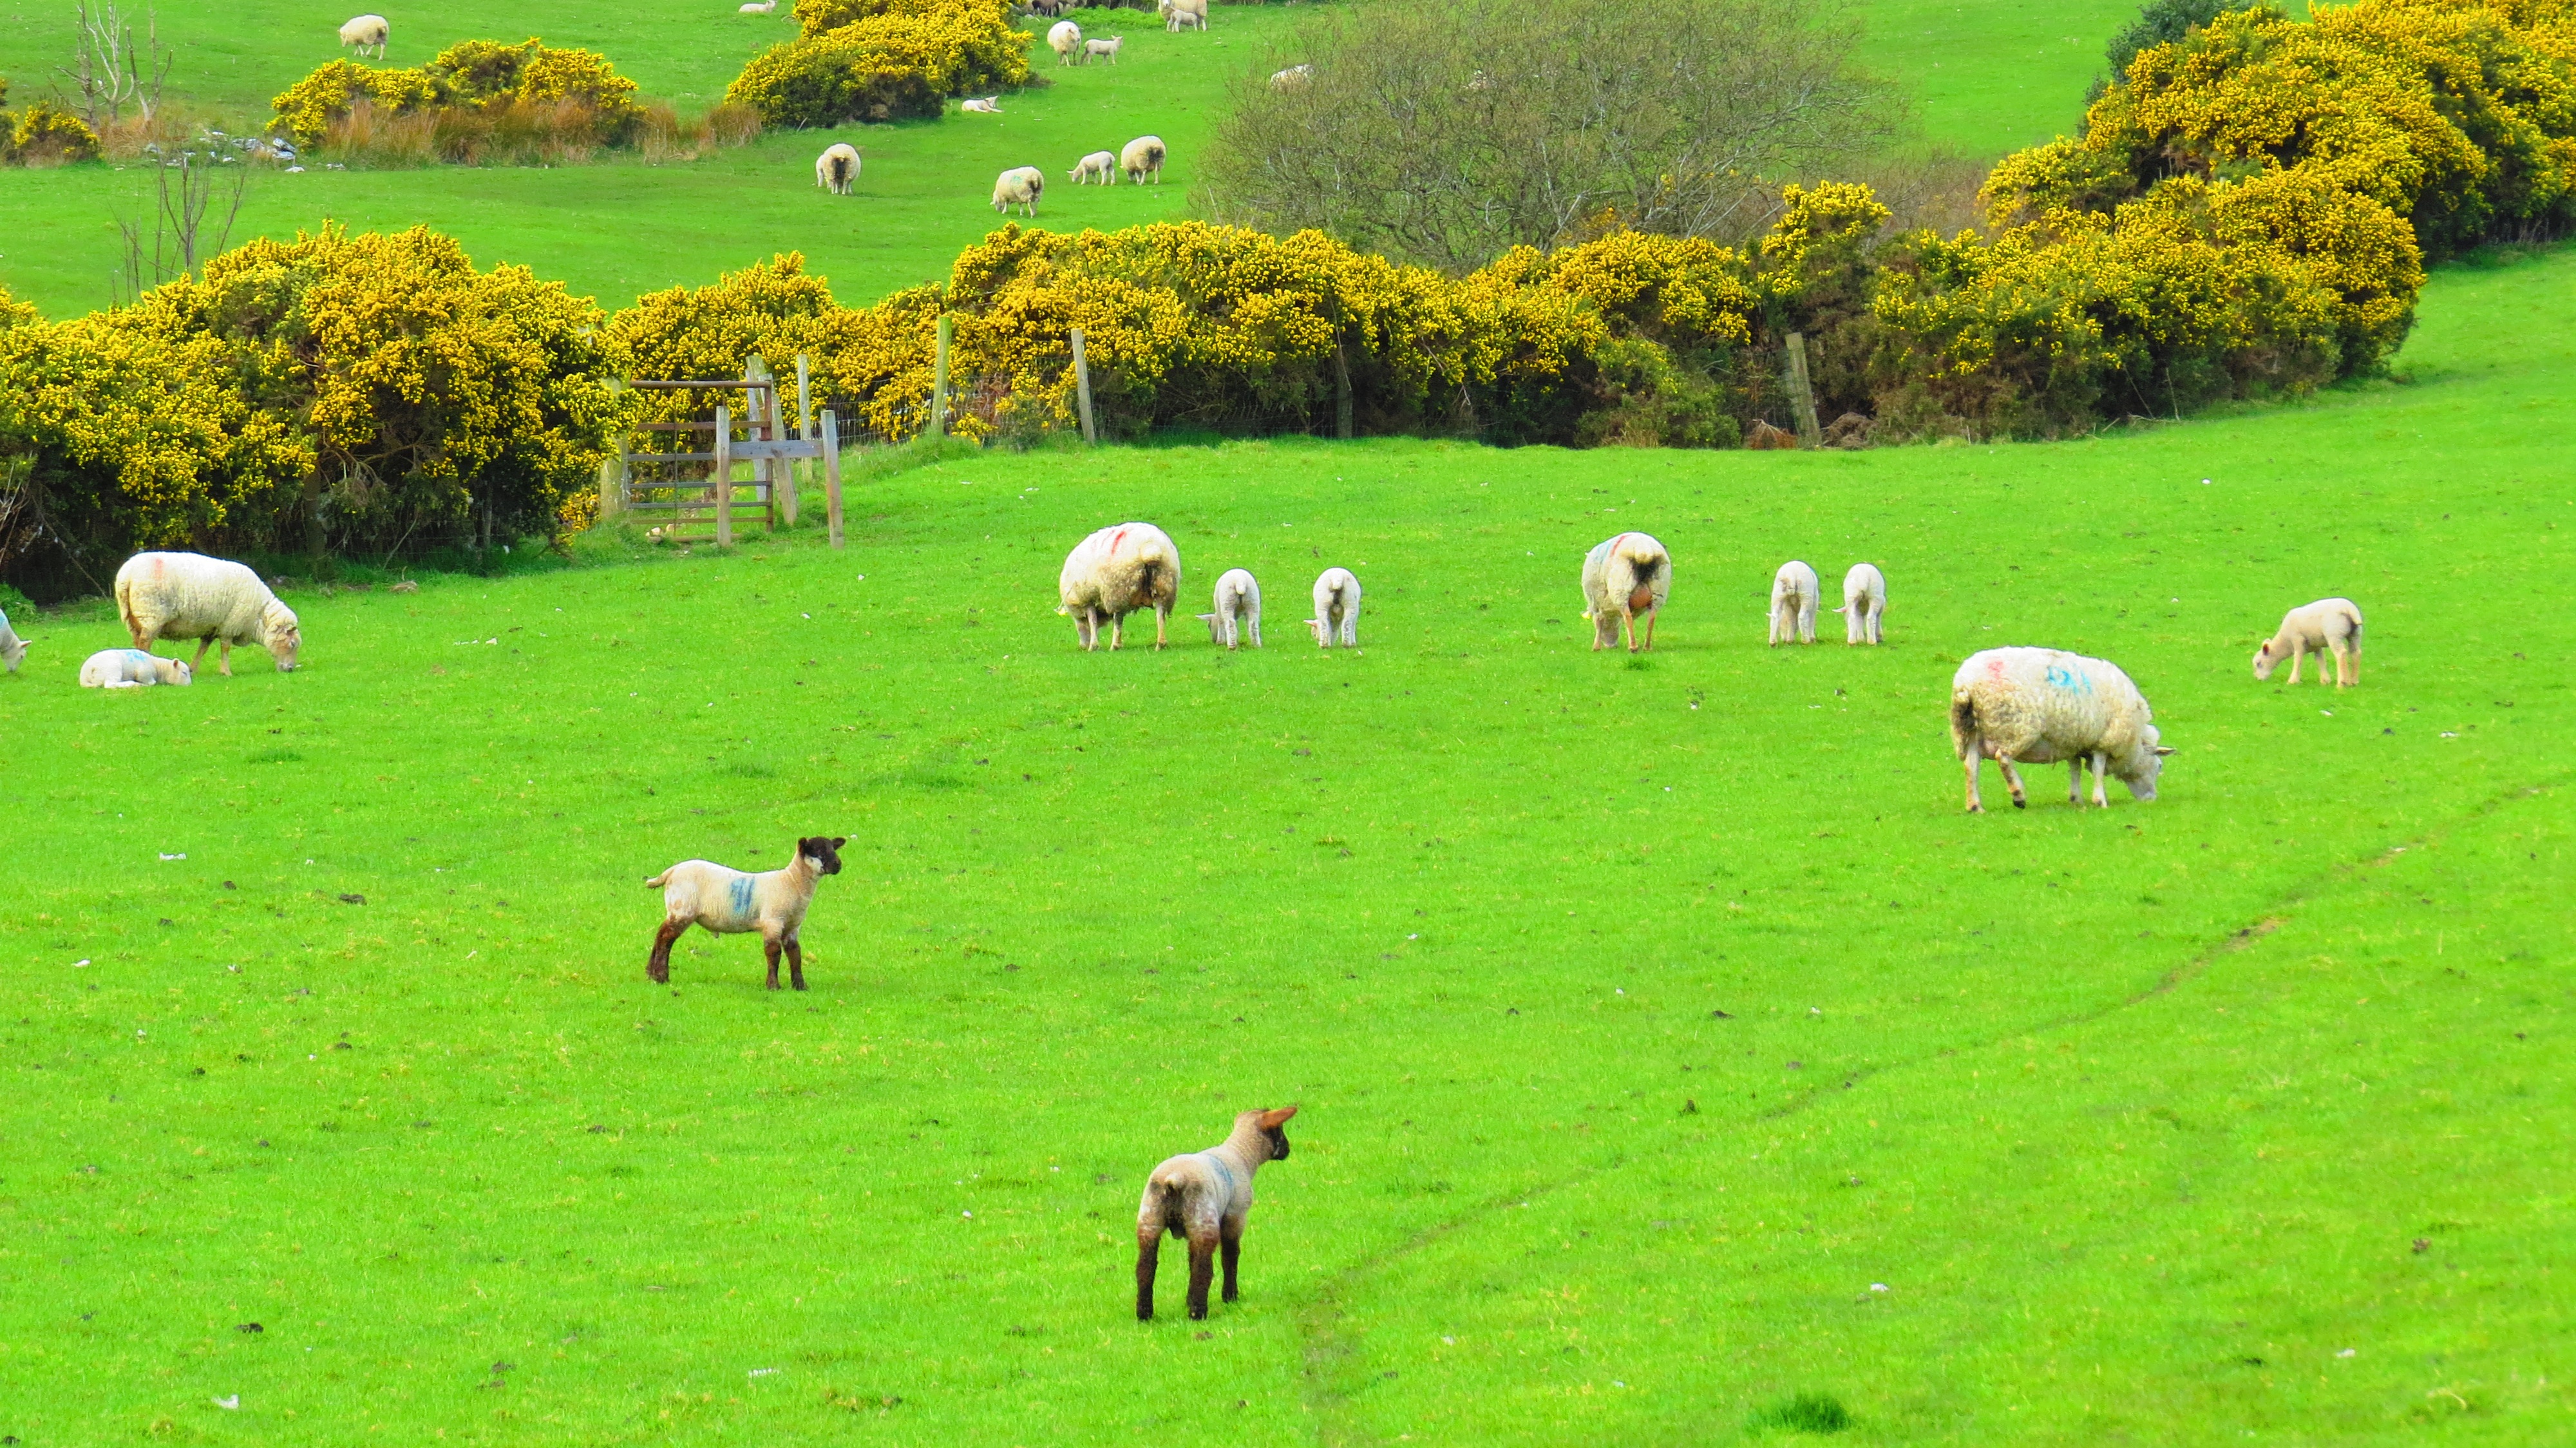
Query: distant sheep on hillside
[
  {"x": 837, "y": 167},
  {"x": 1142, "y": 157},
  {"x": 367, "y": 32},
  {"x": 1020, "y": 186}
]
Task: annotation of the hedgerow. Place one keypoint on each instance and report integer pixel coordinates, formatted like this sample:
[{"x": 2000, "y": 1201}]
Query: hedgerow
[{"x": 476, "y": 78}]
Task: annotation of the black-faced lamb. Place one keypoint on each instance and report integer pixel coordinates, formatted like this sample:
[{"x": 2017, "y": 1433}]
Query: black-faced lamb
[
  {"x": 190, "y": 596},
  {"x": 733, "y": 902},
  {"x": 1238, "y": 610},
  {"x": 13, "y": 649},
  {"x": 367, "y": 32},
  {"x": 1337, "y": 609},
  {"x": 1864, "y": 599},
  {"x": 1115, "y": 572},
  {"x": 1142, "y": 157},
  {"x": 1204, "y": 1198},
  {"x": 1624, "y": 577},
  {"x": 132, "y": 669},
  {"x": 1794, "y": 595},
  {"x": 837, "y": 168},
  {"x": 1020, "y": 186},
  {"x": 2037, "y": 706},
  {"x": 2329, "y": 626}
]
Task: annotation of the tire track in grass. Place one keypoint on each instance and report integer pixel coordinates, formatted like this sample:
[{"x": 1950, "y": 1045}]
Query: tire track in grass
[{"x": 1326, "y": 1349}]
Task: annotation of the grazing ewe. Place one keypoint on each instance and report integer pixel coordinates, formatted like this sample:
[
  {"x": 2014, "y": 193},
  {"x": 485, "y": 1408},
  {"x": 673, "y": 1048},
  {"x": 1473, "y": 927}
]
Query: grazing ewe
[
  {"x": 1622, "y": 578},
  {"x": 1238, "y": 610},
  {"x": 1295, "y": 75},
  {"x": 1066, "y": 39},
  {"x": 1142, "y": 157},
  {"x": 1099, "y": 165},
  {"x": 191, "y": 596},
  {"x": 2036, "y": 706},
  {"x": 731, "y": 902},
  {"x": 367, "y": 32},
  {"x": 1020, "y": 186},
  {"x": 1185, "y": 12},
  {"x": 1864, "y": 599},
  {"x": 1204, "y": 1198},
  {"x": 1337, "y": 609},
  {"x": 1794, "y": 595},
  {"x": 132, "y": 669},
  {"x": 981, "y": 105},
  {"x": 1092, "y": 49},
  {"x": 13, "y": 649},
  {"x": 2328, "y": 626},
  {"x": 837, "y": 167},
  {"x": 1115, "y": 572}
]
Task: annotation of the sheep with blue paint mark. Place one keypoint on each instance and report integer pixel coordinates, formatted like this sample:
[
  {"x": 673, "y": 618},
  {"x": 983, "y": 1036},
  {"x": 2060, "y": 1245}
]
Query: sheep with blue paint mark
[
  {"x": 132, "y": 669},
  {"x": 2038, "y": 706},
  {"x": 1204, "y": 1198},
  {"x": 727, "y": 901}
]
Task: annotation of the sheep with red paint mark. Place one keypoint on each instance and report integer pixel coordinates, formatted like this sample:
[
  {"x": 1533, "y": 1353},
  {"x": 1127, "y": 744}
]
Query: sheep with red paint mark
[
  {"x": 727, "y": 901},
  {"x": 1120, "y": 570},
  {"x": 2038, "y": 706}
]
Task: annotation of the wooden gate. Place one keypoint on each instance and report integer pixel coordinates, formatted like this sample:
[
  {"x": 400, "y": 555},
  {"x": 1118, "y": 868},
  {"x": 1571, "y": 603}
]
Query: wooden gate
[{"x": 659, "y": 482}]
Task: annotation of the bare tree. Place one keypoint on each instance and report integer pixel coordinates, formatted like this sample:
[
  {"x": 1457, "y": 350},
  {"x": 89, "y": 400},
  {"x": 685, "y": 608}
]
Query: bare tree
[
  {"x": 109, "y": 71},
  {"x": 198, "y": 184},
  {"x": 1445, "y": 131}
]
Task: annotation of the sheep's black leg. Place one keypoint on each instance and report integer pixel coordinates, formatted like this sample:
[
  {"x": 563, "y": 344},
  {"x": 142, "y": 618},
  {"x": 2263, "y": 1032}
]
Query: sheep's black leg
[
  {"x": 657, "y": 967},
  {"x": 1232, "y": 1247},
  {"x": 1202, "y": 1274},
  {"x": 795, "y": 963},
  {"x": 770, "y": 947},
  {"x": 1149, "y": 1255}
]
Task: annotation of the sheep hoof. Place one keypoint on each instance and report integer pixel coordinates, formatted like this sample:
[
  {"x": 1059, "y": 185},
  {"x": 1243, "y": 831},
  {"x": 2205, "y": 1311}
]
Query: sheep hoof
[{"x": 2020, "y": 803}]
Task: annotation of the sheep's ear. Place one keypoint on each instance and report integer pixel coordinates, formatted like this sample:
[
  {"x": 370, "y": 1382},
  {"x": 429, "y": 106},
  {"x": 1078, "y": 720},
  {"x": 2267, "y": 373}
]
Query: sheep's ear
[
  {"x": 2164, "y": 749},
  {"x": 1273, "y": 1120},
  {"x": 839, "y": 840}
]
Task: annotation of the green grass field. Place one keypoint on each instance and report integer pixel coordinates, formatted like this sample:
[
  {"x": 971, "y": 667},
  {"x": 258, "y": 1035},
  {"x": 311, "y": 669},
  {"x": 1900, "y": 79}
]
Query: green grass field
[
  {"x": 1646, "y": 1015},
  {"x": 1988, "y": 77}
]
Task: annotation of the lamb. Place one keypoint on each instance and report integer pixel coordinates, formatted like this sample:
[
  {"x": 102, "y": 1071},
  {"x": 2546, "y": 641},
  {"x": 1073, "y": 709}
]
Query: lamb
[
  {"x": 1066, "y": 39},
  {"x": 132, "y": 669},
  {"x": 1204, "y": 1198},
  {"x": 1794, "y": 595},
  {"x": 758, "y": 7},
  {"x": 1864, "y": 599},
  {"x": 1093, "y": 49},
  {"x": 13, "y": 649},
  {"x": 1099, "y": 165},
  {"x": 1115, "y": 572},
  {"x": 2328, "y": 626},
  {"x": 367, "y": 32},
  {"x": 1238, "y": 610},
  {"x": 2036, "y": 706},
  {"x": 1020, "y": 186},
  {"x": 1295, "y": 75},
  {"x": 1622, "y": 578},
  {"x": 1337, "y": 609},
  {"x": 1185, "y": 12},
  {"x": 731, "y": 902},
  {"x": 191, "y": 596},
  {"x": 981, "y": 105},
  {"x": 837, "y": 167},
  {"x": 1142, "y": 157}
]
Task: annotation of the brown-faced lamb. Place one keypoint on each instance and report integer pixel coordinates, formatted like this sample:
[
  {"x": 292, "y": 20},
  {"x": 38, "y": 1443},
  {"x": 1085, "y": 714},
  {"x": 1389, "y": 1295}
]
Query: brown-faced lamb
[
  {"x": 733, "y": 902},
  {"x": 1794, "y": 595},
  {"x": 1115, "y": 572},
  {"x": 1204, "y": 1198},
  {"x": 1624, "y": 577},
  {"x": 190, "y": 596},
  {"x": 1238, "y": 610},
  {"x": 2330, "y": 626},
  {"x": 2037, "y": 706}
]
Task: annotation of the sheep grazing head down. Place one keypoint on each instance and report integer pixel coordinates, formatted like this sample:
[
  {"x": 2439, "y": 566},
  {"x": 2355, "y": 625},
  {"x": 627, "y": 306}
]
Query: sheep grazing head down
[
  {"x": 281, "y": 634},
  {"x": 2146, "y": 765},
  {"x": 824, "y": 851}
]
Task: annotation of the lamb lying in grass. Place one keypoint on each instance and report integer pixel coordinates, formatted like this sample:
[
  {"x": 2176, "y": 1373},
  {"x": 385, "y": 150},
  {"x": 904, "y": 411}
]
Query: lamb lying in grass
[
  {"x": 132, "y": 669},
  {"x": 1204, "y": 1198},
  {"x": 2328, "y": 626},
  {"x": 732, "y": 902},
  {"x": 1238, "y": 610},
  {"x": 2037, "y": 706}
]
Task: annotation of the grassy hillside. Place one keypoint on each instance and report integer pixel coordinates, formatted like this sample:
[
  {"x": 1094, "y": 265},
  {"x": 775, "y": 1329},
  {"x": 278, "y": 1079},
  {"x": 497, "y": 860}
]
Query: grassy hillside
[
  {"x": 1989, "y": 77},
  {"x": 1647, "y": 1015}
]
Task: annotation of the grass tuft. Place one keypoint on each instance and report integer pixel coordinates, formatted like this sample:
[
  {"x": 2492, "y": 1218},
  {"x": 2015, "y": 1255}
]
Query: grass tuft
[{"x": 1805, "y": 1413}]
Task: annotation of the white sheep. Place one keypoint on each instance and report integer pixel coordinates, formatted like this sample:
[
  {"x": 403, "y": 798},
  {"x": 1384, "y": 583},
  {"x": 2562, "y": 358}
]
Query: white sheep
[
  {"x": 367, "y": 32},
  {"x": 1864, "y": 599},
  {"x": 1204, "y": 1198},
  {"x": 1115, "y": 572},
  {"x": 981, "y": 105},
  {"x": 13, "y": 649},
  {"x": 733, "y": 902},
  {"x": 1337, "y": 609},
  {"x": 1065, "y": 38},
  {"x": 1238, "y": 610},
  {"x": 837, "y": 167},
  {"x": 2036, "y": 706},
  {"x": 132, "y": 669},
  {"x": 1099, "y": 166},
  {"x": 1142, "y": 157},
  {"x": 1020, "y": 186},
  {"x": 1184, "y": 12},
  {"x": 190, "y": 596},
  {"x": 2329, "y": 626},
  {"x": 1623, "y": 577},
  {"x": 758, "y": 7},
  {"x": 1794, "y": 595},
  {"x": 1094, "y": 49},
  {"x": 1295, "y": 75}
]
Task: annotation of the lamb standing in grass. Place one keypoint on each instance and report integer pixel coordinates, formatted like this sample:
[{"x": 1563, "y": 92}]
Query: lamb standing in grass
[
  {"x": 1094, "y": 49},
  {"x": 1864, "y": 599},
  {"x": 2330, "y": 626},
  {"x": 1623, "y": 577},
  {"x": 1238, "y": 610},
  {"x": 731, "y": 902},
  {"x": 1185, "y": 12},
  {"x": 837, "y": 167},
  {"x": 13, "y": 649},
  {"x": 132, "y": 669},
  {"x": 1115, "y": 572},
  {"x": 191, "y": 596},
  {"x": 1204, "y": 1198},
  {"x": 1794, "y": 595},
  {"x": 1337, "y": 609},
  {"x": 1142, "y": 157},
  {"x": 1099, "y": 166},
  {"x": 2037, "y": 706},
  {"x": 367, "y": 32},
  {"x": 1065, "y": 38},
  {"x": 1020, "y": 186}
]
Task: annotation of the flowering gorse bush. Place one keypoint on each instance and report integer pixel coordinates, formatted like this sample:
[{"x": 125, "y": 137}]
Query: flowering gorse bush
[
  {"x": 477, "y": 79},
  {"x": 878, "y": 60}
]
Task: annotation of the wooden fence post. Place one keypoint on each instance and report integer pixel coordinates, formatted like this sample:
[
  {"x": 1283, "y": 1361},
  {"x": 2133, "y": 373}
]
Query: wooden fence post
[
  {"x": 804, "y": 408},
  {"x": 782, "y": 471},
  {"x": 832, "y": 474},
  {"x": 614, "y": 471},
  {"x": 939, "y": 383},
  {"x": 1341, "y": 393},
  {"x": 1082, "y": 389},
  {"x": 756, "y": 413},
  {"x": 721, "y": 475},
  {"x": 1804, "y": 396}
]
